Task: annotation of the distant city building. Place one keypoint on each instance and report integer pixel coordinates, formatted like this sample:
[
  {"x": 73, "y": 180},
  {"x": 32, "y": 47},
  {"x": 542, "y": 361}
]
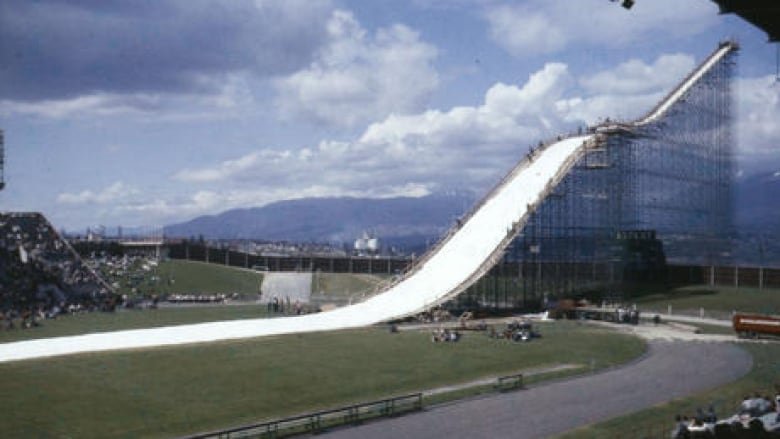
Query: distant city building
[{"x": 366, "y": 245}]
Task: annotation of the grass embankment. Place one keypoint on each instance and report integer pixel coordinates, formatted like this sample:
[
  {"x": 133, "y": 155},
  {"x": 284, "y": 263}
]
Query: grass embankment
[
  {"x": 200, "y": 277},
  {"x": 714, "y": 300},
  {"x": 188, "y": 277},
  {"x": 174, "y": 391},
  {"x": 339, "y": 288},
  {"x": 659, "y": 420}
]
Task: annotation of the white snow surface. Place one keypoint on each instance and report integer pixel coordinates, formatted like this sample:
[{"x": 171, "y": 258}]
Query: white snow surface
[
  {"x": 287, "y": 286},
  {"x": 439, "y": 275},
  {"x": 686, "y": 85}
]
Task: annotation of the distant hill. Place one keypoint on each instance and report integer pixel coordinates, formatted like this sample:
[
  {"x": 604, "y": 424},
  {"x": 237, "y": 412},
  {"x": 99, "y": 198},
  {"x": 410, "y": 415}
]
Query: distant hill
[
  {"x": 402, "y": 221},
  {"x": 407, "y": 223}
]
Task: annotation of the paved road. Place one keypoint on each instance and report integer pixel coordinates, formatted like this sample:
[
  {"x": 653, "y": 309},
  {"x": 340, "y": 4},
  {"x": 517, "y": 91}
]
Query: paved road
[{"x": 671, "y": 369}]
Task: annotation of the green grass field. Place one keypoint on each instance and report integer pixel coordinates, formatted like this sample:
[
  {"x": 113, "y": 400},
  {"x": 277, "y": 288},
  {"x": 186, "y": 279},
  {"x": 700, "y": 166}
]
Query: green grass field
[
  {"x": 190, "y": 277},
  {"x": 174, "y": 391},
  {"x": 341, "y": 287},
  {"x": 200, "y": 277},
  {"x": 658, "y": 421},
  {"x": 718, "y": 300},
  {"x": 333, "y": 284}
]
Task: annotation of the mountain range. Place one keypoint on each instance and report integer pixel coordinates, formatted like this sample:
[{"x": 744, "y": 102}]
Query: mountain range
[
  {"x": 408, "y": 222},
  {"x": 401, "y": 221}
]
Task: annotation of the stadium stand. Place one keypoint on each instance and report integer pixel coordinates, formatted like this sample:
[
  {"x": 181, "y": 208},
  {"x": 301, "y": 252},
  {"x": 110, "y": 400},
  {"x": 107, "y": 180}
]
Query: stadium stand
[{"x": 40, "y": 274}]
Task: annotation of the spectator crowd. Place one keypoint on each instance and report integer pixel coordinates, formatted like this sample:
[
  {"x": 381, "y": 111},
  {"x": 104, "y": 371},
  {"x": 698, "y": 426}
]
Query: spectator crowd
[
  {"x": 41, "y": 276},
  {"x": 757, "y": 416}
]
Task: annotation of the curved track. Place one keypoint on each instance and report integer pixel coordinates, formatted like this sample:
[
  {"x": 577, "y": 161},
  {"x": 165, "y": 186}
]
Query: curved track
[{"x": 669, "y": 370}]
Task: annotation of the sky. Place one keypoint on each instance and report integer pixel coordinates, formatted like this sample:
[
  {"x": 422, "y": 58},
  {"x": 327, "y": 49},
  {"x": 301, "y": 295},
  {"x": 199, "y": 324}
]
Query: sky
[{"x": 146, "y": 113}]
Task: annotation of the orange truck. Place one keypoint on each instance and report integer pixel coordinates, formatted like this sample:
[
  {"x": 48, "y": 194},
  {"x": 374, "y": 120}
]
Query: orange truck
[{"x": 756, "y": 325}]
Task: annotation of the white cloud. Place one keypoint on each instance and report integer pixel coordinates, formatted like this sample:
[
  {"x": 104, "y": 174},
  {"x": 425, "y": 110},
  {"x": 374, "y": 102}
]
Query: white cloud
[
  {"x": 110, "y": 194},
  {"x": 626, "y": 91},
  {"x": 406, "y": 154},
  {"x": 95, "y": 104},
  {"x": 522, "y": 30},
  {"x": 224, "y": 170},
  {"x": 509, "y": 114},
  {"x": 543, "y": 26},
  {"x": 635, "y": 76},
  {"x": 232, "y": 95},
  {"x": 757, "y": 106},
  {"x": 402, "y": 155},
  {"x": 596, "y": 108},
  {"x": 200, "y": 201},
  {"x": 358, "y": 77},
  {"x": 466, "y": 146},
  {"x": 416, "y": 154}
]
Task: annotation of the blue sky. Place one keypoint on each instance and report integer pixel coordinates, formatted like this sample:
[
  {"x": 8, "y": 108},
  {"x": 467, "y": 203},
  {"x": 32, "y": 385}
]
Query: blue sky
[{"x": 147, "y": 113}]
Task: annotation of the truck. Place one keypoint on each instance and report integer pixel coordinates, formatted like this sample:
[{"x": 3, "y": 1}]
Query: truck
[{"x": 756, "y": 325}]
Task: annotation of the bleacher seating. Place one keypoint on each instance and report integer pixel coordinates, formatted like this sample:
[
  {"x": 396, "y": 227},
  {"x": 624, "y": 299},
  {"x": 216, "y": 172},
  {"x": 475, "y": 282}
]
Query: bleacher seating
[{"x": 40, "y": 274}]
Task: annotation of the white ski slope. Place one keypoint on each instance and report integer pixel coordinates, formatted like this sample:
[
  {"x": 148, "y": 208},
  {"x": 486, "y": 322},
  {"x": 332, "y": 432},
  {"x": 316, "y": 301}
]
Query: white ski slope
[
  {"x": 450, "y": 268},
  {"x": 724, "y": 49},
  {"x": 445, "y": 272}
]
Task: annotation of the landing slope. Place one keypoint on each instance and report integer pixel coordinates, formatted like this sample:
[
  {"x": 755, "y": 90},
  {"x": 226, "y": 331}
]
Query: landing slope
[{"x": 446, "y": 271}]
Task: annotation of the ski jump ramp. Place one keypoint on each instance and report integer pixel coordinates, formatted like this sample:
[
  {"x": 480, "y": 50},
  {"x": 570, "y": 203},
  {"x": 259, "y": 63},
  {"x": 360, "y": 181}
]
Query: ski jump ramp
[{"x": 456, "y": 262}]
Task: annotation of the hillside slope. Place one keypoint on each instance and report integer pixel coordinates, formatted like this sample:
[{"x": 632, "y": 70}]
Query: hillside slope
[{"x": 394, "y": 220}]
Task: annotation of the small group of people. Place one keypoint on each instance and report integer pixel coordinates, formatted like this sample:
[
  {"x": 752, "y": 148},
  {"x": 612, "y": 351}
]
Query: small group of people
[
  {"x": 436, "y": 315},
  {"x": 628, "y": 315},
  {"x": 27, "y": 319},
  {"x": 515, "y": 331},
  {"x": 278, "y": 306},
  {"x": 197, "y": 298},
  {"x": 445, "y": 335},
  {"x": 757, "y": 416},
  {"x": 33, "y": 316},
  {"x": 758, "y": 405},
  {"x": 684, "y": 426}
]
